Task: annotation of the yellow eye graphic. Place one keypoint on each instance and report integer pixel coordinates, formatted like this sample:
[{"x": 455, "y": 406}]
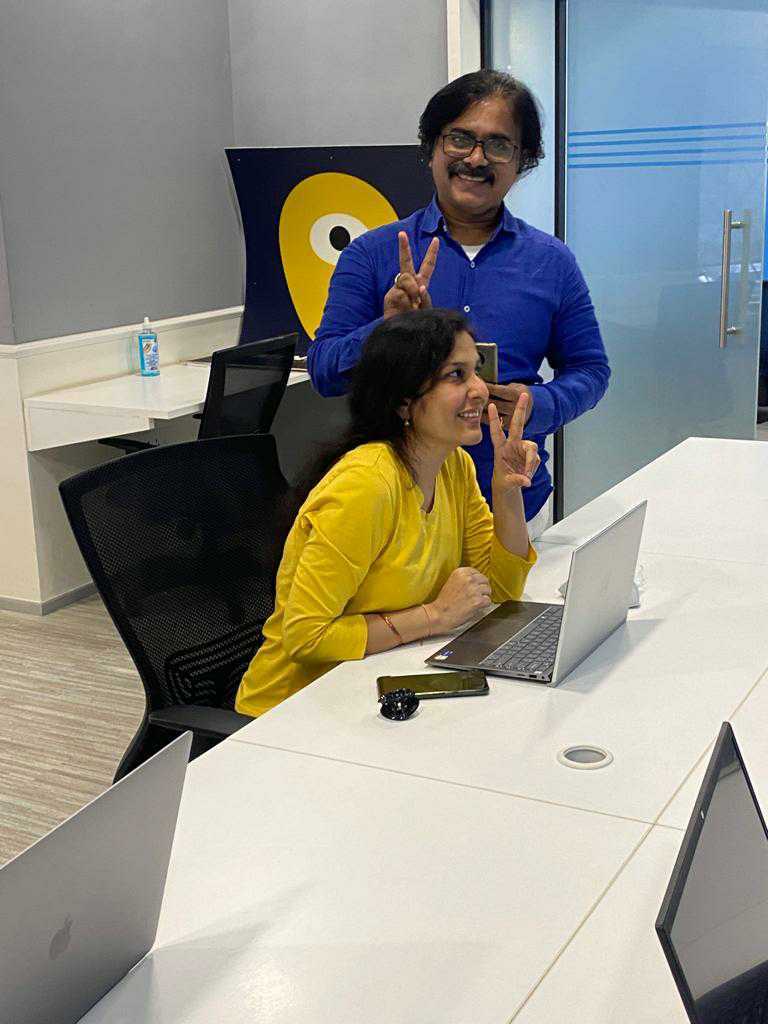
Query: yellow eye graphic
[{"x": 320, "y": 217}]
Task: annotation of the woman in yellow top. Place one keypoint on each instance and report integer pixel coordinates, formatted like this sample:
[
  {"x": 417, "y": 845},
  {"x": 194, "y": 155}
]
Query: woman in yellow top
[{"x": 396, "y": 542}]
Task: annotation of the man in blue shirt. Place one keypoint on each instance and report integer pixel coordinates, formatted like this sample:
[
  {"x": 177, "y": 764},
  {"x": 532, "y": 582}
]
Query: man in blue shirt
[{"x": 519, "y": 287}]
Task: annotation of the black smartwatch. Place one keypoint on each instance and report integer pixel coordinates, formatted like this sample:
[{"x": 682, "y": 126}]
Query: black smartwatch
[{"x": 398, "y": 704}]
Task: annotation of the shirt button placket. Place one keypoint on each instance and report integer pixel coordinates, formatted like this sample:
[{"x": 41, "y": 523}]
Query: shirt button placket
[{"x": 467, "y": 287}]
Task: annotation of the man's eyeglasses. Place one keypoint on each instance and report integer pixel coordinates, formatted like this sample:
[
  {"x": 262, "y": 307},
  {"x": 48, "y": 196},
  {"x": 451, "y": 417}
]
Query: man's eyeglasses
[{"x": 460, "y": 145}]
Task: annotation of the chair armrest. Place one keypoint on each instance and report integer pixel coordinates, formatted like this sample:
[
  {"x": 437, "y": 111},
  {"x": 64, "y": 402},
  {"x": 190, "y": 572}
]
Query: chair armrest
[{"x": 217, "y": 722}]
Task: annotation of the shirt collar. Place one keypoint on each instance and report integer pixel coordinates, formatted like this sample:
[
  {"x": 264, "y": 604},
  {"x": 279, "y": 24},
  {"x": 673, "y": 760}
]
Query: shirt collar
[{"x": 434, "y": 221}]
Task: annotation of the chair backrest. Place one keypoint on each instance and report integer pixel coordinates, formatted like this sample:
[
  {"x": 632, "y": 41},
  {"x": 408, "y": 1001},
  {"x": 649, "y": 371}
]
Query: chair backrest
[
  {"x": 246, "y": 385},
  {"x": 183, "y": 543}
]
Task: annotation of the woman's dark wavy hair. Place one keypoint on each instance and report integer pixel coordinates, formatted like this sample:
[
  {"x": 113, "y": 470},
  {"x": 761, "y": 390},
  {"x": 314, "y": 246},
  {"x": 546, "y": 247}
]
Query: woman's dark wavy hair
[
  {"x": 398, "y": 363},
  {"x": 453, "y": 99}
]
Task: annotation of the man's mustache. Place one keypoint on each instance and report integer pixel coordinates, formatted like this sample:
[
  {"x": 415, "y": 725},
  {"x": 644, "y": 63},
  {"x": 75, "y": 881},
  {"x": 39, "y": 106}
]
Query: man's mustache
[{"x": 480, "y": 173}]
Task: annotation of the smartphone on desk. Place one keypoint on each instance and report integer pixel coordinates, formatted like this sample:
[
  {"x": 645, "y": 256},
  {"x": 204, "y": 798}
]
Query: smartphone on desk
[
  {"x": 427, "y": 685},
  {"x": 489, "y": 368}
]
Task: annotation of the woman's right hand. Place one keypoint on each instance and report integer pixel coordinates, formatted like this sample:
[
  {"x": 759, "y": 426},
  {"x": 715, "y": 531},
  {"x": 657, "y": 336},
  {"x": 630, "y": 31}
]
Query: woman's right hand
[{"x": 465, "y": 593}]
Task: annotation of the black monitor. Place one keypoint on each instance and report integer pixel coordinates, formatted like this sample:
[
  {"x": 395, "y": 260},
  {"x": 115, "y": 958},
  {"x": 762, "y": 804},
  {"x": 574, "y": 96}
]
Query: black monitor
[{"x": 713, "y": 923}]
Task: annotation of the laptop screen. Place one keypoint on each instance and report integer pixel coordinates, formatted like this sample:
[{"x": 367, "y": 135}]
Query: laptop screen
[{"x": 713, "y": 924}]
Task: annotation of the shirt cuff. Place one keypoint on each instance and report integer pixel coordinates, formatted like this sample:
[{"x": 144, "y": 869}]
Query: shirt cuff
[
  {"x": 509, "y": 571},
  {"x": 543, "y": 414},
  {"x": 350, "y": 356},
  {"x": 345, "y": 640},
  {"x": 358, "y": 638}
]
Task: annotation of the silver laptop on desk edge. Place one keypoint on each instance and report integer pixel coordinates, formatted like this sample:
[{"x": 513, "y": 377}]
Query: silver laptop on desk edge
[
  {"x": 596, "y": 604},
  {"x": 80, "y": 907}
]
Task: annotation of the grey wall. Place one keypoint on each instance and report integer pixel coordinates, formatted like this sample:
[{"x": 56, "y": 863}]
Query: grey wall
[
  {"x": 334, "y": 72},
  {"x": 115, "y": 199},
  {"x": 6, "y": 322},
  {"x": 113, "y": 121}
]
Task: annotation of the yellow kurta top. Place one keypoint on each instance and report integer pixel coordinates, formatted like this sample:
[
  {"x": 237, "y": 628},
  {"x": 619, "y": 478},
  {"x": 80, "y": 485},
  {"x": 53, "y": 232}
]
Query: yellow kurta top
[{"x": 361, "y": 543}]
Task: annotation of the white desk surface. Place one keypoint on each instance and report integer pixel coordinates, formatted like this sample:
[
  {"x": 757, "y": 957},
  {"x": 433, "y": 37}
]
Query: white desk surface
[
  {"x": 654, "y": 694},
  {"x": 749, "y": 724},
  {"x": 178, "y": 391},
  {"x": 307, "y": 891},
  {"x": 121, "y": 405},
  {"x": 708, "y": 498},
  {"x": 614, "y": 970},
  {"x": 299, "y": 889}
]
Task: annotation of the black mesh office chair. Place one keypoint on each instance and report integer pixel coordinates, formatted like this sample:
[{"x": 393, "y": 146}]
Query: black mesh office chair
[
  {"x": 246, "y": 385},
  {"x": 183, "y": 543}
]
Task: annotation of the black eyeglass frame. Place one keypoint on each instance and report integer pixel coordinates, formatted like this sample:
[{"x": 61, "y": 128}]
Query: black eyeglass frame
[{"x": 482, "y": 143}]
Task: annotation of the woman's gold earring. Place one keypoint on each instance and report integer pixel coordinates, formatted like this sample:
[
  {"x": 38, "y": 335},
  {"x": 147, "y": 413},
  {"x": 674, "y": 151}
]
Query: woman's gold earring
[{"x": 406, "y": 423}]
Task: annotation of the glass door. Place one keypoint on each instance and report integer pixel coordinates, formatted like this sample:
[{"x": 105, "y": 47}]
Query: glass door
[{"x": 664, "y": 209}]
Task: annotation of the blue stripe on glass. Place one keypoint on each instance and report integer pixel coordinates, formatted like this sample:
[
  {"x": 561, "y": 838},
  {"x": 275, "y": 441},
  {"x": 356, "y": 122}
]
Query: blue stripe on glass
[
  {"x": 666, "y": 163},
  {"x": 688, "y": 138},
  {"x": 669, "y": 152},
  {"x": 672, "y": 128}
]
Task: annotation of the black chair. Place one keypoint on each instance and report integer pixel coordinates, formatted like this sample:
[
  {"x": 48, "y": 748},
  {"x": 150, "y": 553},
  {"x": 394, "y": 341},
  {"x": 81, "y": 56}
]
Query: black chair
[
  {"x": 183, "y": 543},
  {"x": 245, "y": 387}
]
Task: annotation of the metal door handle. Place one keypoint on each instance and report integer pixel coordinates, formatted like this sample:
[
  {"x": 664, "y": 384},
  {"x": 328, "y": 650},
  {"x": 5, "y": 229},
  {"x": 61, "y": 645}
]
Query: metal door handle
[{"x": 729, "y": 225}]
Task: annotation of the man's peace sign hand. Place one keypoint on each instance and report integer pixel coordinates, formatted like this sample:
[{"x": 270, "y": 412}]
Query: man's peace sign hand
[
  {"x": 514, "y": 460},
  {"x": 410, "y": 289}
]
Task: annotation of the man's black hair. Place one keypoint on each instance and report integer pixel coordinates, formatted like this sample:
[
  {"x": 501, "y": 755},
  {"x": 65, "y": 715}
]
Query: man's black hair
[{"x": 453, "y": 99}]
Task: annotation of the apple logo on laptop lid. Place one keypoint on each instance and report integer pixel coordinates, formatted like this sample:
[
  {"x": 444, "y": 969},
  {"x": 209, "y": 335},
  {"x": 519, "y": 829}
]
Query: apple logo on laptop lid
[{"x": 61, "y": 939}]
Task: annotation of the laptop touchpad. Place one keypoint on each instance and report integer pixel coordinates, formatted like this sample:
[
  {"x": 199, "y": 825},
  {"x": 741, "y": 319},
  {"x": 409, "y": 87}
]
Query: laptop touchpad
[{"x": 497, "y": 627}]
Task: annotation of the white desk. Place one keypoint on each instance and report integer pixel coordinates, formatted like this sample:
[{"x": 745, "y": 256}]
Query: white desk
[
  {"x": 59, "y": 397},
  {"x": 749, "y": 724},
  {"x": 614, "y": 970},
  {"x": 306, "y": 891},
  {"x": 710, "y": 500},
  {"x": 654, "y": 694},
  {"x": 633, "y": 981},
  {"x": 122, "y": 405},
  {"x": 40, "y": 565},
  {"x": 333, "y": 885}
]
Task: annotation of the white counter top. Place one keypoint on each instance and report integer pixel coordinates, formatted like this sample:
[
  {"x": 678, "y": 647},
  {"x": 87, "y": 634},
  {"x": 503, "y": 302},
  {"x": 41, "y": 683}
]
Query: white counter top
[
  {"x": 121, "y": 405},
  {"x": 305, "y": 891}
]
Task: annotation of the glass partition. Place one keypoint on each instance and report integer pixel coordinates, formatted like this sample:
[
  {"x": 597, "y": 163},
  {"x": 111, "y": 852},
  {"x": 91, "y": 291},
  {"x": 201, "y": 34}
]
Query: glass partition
[{"x": 664, "y": 117}]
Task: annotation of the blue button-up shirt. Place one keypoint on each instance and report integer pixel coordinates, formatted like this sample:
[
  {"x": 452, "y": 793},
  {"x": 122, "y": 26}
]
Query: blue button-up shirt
[{"x": 523, "y": 291}]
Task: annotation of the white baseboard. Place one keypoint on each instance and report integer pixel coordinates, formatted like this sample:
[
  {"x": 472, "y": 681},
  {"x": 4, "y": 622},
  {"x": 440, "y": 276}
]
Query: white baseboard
[{"x": 13, "y": 604}]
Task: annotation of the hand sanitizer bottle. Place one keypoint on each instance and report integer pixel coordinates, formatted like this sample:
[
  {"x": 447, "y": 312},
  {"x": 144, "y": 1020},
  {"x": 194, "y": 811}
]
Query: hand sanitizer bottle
[{"x": 149, "y": 351}]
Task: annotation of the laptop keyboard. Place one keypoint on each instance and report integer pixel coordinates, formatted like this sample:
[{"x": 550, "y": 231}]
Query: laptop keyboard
[{"x": 533, "y": 649}]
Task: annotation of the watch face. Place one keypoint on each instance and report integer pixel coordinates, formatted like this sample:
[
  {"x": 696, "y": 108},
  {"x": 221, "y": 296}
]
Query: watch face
[{"x": 398, "y": 705}]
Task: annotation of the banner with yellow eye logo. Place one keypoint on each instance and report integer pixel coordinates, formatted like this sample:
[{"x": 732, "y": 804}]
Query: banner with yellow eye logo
[{"x": 299, "y": 209}]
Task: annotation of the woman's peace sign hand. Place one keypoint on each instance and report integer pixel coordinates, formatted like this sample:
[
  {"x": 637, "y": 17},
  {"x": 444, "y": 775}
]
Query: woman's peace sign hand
[
  {"x": 410, "y": 290},
  {"x": 514, "y": 460}
]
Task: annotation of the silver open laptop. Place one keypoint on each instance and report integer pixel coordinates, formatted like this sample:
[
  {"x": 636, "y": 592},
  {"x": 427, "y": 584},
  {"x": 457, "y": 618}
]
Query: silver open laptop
[
  {"x": 80, "y": 907},
  {"x": 544, "y": 642}
]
